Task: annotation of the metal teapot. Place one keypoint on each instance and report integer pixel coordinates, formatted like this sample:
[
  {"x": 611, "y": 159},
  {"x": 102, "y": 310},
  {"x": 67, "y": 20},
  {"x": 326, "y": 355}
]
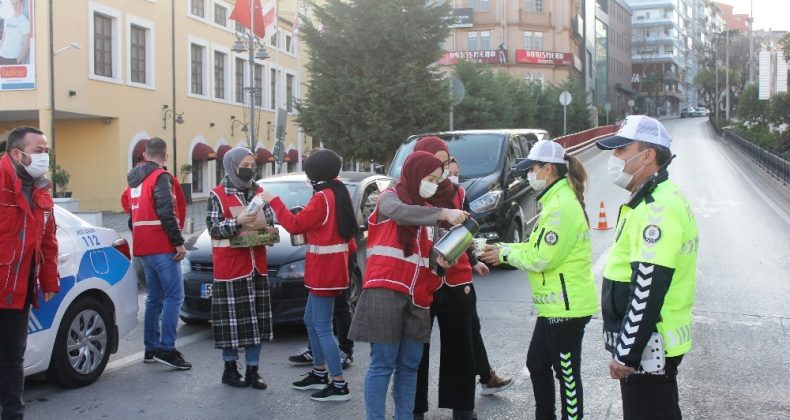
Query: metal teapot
[
  {"x": 457, "y": 240},
  {"x": 297, "y": 240}
]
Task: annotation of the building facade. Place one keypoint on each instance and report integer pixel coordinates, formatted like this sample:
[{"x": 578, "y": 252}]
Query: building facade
[
  {"x": 613, "y": 59},
  {"x": 124, "y": 71}
]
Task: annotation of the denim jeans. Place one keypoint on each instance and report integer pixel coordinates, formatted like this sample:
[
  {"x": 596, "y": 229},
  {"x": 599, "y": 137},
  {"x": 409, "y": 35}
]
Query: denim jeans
[
  {"x": 402, "y": 359},
  {"x": 318, "y": 320},
  {"x": 252, "y": 355},
  {"x": 165, "y": 286},
  {"x": 13, "y": 339}
]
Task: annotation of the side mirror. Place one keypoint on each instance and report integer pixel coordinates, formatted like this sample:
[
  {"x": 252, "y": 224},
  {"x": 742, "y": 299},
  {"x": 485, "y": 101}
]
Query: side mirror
[{"x": 379, "y": 169}]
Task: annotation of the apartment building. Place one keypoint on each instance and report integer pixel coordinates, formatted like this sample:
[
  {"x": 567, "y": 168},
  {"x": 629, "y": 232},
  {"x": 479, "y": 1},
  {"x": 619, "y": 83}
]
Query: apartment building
[
  {"x": 613, "y": 58},
  {"x": 123, "y": 71}
]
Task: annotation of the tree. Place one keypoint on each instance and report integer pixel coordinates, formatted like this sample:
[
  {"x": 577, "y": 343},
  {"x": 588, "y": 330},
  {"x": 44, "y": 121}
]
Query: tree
[
  {"x": 785, "y": 43},
  {"x": 750, "y": 108},
  {"x": 373, "y": 81}
]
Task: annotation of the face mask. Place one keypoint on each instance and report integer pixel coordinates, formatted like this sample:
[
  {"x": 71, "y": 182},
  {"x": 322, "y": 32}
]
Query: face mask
[
  {"x": 427, "y": 189},
  {"x": 39, "y": 164},
  {"x": 617, "y": 172},
  {"x": 444, "y": 176},
  {"x": 453, "y": 179},
  {"x": 246, "y": 174},
  {"x": 534, "y": 182}
]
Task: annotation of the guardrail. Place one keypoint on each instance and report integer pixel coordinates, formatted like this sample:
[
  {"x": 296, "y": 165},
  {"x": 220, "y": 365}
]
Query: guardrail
[
  {"x": 583, "y": 138},
  {"x": 775, "y": 165}
]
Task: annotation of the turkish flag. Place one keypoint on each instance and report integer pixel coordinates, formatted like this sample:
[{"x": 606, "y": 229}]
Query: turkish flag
[{"x": 241, "y": 14}]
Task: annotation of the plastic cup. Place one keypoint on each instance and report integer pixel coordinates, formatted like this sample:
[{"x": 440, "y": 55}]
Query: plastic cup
[{"x": 480, "y": 246}]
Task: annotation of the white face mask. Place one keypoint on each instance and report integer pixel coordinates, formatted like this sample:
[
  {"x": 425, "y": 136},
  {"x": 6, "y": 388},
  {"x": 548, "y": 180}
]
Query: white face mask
[
  {"x": 453, "y": 179},
  {"x": 39, "y": 164},
  {"x": 534, "y": 182},
  {"x": 444, "y": 176},
  {"x": 617, "y": 172},
  {"x": 427, "y": 188}
]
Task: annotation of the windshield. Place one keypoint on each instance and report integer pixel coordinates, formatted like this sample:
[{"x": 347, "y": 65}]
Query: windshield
[
  {"x": 295, "y": 193},
  {"x": 478, "y": 155},
  {"x": 64, "y": 218}
]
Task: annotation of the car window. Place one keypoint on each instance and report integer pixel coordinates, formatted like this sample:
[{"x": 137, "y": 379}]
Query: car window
[
  {"x": 526, "y": 145},
  {"x": 513, "y": 152},
  {"x": 369, "y": 200},
  {"x": 477, "y": 154}
]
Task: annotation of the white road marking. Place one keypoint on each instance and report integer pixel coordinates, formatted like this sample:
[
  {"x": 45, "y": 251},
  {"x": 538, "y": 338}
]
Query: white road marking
[{"x": 138, "y": 357}]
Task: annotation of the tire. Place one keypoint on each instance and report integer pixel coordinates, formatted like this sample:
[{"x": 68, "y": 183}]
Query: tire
[
  {"x": 354, "y": 290},
  {"x": 86, "y": 328},
  {"x": 193, "y": 321},
  {"x": 514, "y": 235}
]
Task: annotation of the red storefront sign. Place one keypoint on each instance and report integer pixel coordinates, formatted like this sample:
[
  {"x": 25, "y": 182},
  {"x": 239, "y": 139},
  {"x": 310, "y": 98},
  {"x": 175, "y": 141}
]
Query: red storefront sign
[
  {"x": 544, "y": 57},
  {"x": 481, "y": 56}
]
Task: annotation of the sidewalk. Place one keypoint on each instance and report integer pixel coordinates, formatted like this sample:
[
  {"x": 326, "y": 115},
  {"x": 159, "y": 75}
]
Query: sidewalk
[{"x": 119, "y": 221}]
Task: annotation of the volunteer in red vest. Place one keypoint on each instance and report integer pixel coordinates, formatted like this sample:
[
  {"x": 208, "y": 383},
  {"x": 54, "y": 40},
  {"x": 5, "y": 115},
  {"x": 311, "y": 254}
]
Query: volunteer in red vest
[
  {"x": 328, "y": 223},
  {"x": 454, "y": 304},
  {"x": 240, "y": 305},
  {"x": 29, "y": 254},
  {"x": 393, "y": 310},
  {"x": 156, "y": 238}
]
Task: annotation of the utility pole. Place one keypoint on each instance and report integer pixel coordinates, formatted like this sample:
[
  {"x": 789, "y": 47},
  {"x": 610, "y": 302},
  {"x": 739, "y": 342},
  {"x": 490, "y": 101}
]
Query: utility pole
[
  {"x": 751, "y": 42},
  {"x": 727, "y": 79}
]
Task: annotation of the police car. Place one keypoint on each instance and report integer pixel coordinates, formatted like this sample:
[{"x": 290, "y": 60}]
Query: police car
[{"x": 72, "y": 336}]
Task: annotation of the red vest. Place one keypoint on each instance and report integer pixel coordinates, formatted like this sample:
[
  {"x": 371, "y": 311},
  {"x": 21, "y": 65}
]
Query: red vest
[
  {"x": 327, "y": 252},
  {"x": 388, "y": 268},
  {"x": 234, "y": 263},
  {"x": 461, "y": 272},
  {"x": 148, "y": 236}
]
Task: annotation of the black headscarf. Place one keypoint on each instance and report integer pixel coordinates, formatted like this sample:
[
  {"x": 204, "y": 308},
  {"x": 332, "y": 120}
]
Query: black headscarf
[{"x": 322, "y": 168}]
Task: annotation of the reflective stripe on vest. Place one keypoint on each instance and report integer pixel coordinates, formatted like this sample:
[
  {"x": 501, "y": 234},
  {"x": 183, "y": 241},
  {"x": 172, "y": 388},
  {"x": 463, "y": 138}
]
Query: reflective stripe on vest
[
  {"x": 327, "y": 249},
  {"x": 220, "y": 243},
  {"x": 147, "y": 223},
  {"x": 397, "y": 253}
]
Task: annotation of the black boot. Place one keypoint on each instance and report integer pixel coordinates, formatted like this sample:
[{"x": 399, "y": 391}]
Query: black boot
[
  {"x": 253, "y": 379},
  {"x": 464, "y": 415},
  {"x": 232, "y": 377}
]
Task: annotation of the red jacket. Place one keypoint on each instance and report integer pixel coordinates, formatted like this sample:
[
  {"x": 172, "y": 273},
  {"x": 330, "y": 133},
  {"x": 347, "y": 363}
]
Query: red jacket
[
  {"x": 326, "y": 271},
  {"x": 27, "y": 237},
  {"x": 461, "y": 272},
  {"x": 235, "y": 263},
  {"x": 388, "y": 268},
  {"x": 148, "y": 235}
]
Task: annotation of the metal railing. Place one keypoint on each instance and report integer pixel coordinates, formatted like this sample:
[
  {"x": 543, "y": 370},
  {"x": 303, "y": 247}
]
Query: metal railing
[{"x": 775, "y": 165}]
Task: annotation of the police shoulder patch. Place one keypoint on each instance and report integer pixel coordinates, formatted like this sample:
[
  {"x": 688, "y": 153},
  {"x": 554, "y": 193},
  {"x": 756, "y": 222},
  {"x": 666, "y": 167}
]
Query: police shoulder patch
[
  {"x": 551, "y": 238},
  {"x": 651, "y": 234}
]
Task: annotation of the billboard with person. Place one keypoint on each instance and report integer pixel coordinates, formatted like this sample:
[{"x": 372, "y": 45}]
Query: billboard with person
[{"x": 17, "y": 45}]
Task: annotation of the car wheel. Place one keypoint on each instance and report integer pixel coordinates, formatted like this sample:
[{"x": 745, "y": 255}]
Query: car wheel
[
  {"x": 82, "y": 347},
  {"x": 354, "y": 290},
  {"x": 193, "y": 321}
]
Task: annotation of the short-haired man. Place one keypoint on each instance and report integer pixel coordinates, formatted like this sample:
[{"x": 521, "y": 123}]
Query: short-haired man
[
  {"x": 648, "y": 282},
  {"x": 155, "y": 201},
  {"x": 28, "y": 254}
]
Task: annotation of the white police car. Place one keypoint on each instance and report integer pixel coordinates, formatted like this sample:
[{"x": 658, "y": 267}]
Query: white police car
[{"x": 72, "y": 336}]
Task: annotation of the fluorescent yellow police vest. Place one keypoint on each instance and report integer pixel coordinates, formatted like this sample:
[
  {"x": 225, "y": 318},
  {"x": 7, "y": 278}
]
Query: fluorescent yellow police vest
[
  {"x": 662, "y": 232},
  {"x": 557, "y": 257}
]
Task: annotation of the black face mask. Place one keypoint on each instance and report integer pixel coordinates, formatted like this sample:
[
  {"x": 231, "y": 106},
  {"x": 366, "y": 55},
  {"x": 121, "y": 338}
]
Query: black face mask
[{"x": 246, "y": 174}]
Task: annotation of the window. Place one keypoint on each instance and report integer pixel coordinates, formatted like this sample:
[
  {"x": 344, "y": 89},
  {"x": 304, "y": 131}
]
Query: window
[
  {"x": 527, "y": 40},
  {"x": 471, "y": 41},
  {"x": 289, "y": 44},
  {"x": 273, "y": 40},
  {"x": 539, "y": 6},
  {"x": 220, "y": 15},
  {"x": 102, "y": 45},
  {"x": 197, "y": 175},
  {"x": 196, "y": 69},
  {"x": 539, "y": 41},
  {"x": 137, "y": 53},
  {"x": 289, "y": 92},
  {"x": 528, "y": 5},
  {"x": 484, "y": 6},
  {"x": 219, "y": 74},
  {"x": 273, "y": 95},
  {"x": 198, "y": 8},
  {"x": 259, "y": 85},
  {"x": 239, "y": 80},
  {"x": 239, "y": 27},
  {"x": 485, "y": 40}
]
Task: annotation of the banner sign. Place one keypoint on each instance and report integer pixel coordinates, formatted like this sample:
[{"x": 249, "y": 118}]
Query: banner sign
[
  {"x": 17, "y": 48},
  {"x": 481, "y": 56},
  {"x": 544, "y": 57}
]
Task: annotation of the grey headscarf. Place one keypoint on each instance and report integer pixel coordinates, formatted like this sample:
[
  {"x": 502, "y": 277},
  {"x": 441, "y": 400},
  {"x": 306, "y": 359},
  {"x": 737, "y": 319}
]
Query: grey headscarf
[{"x": 231, "y": 162}]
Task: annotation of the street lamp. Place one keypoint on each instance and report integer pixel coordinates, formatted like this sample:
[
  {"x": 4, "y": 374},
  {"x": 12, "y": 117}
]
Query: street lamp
[
  {"x": 255, "y": 51},
  {"x": 169, "y": 113}
]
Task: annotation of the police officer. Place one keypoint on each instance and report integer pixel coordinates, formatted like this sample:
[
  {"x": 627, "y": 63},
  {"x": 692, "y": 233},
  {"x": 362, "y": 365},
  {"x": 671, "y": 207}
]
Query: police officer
[
  {"x": 648, "y": 284},
  {"x": 557, "y": 261}
]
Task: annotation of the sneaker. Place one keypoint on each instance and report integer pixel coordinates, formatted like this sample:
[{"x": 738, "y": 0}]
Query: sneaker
[
  {"x": 253, "y": 379},
  {"x": 149, "y": 357},
  {"x": 304, "y": 357},
  {"x": 332, "y": 392},
  {"x": 232, "y": 377},
  {"x": 496, "y": 384},
  {"x": 346, "y": 360},
  {"x": 172, "y": 358},
  {"x": 311, "y": 381}
]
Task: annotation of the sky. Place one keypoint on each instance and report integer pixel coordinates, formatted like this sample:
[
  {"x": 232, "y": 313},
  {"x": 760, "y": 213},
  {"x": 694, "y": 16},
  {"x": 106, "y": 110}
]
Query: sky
[{"x": 771, "y": 14}]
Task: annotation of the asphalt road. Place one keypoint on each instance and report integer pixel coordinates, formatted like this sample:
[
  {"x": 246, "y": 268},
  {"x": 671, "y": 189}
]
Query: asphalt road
[{"x": 738, "y": 367}]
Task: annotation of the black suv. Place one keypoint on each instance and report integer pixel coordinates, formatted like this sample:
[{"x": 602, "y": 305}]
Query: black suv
[{"x": 501, "y": 202}]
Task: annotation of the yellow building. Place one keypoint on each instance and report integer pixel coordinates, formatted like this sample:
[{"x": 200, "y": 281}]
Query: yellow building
[{"x": 129, "y": 70}]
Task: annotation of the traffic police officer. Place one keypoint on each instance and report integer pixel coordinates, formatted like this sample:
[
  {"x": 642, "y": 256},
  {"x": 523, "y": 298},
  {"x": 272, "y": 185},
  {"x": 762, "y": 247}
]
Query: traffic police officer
[{"x": 648, "y": 282}]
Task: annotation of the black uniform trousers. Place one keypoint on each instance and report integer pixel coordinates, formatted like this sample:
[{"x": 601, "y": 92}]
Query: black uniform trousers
[
  {"x": 454, "y": 307},
  {"x": 652, "y": 396},
  {"x": 13, "y": 341},
  {"x": 557, "y": 343}
]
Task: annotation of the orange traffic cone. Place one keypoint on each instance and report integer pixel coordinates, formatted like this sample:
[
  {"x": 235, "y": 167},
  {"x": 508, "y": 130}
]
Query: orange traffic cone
[{"x": 602, "y": 225}]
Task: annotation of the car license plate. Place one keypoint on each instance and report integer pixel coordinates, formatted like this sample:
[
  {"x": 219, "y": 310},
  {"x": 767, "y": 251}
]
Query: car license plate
[{"x": 205, "y": 291}]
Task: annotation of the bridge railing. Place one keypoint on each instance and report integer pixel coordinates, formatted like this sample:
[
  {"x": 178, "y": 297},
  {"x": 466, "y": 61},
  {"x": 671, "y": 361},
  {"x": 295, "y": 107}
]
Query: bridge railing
[
  {"x": 578, "y": 140},
  {"x": 775, "y": 165}
]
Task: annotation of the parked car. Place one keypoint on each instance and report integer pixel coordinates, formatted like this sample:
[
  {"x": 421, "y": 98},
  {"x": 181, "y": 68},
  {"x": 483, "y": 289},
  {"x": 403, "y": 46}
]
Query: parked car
[
  {"x": 500, "y": 200},
  {"x": 286, "y": 263},
  {"x": 687, "y": 112},
  {"x": 72, "y": 336},
  {"x": 701, "y": 112}
]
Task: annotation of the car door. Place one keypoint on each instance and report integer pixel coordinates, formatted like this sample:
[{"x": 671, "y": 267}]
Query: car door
[{"x": 517, "y": 191}]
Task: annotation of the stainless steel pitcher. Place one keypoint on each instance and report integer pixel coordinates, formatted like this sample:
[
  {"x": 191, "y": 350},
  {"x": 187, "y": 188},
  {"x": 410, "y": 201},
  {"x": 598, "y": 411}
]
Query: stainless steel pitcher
[
  {"x": 457, "y": 240},
  {"x": 297, "y": 240}
]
